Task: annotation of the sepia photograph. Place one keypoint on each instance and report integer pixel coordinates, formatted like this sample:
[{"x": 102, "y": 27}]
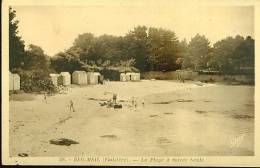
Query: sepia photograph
[{"x": 129, "y": 82}]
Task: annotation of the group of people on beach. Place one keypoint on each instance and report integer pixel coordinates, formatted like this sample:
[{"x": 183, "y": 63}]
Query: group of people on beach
[
  {"x": 133, "y": 101},
  {"x": 114, "y": 102}
]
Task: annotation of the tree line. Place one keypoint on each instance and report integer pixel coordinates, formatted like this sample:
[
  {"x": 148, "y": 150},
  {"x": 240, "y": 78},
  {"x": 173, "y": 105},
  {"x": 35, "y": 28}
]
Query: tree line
[
  {"x": 157, "y": 49},
  {"x": 145, "y": 48}
]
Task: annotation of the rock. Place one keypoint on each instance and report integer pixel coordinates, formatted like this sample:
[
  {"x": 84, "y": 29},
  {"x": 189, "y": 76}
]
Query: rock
[
  {"x": 63, "y": 141},
  {"x": 118, "y": 106},
  {"x": 184, "y": 100},
  {"x": 198, "y": 83},
  {"x": 153, "y": 115},
  {"x": 103, "y": 103},
  {"x": 109, "y": 136},
  {"x": 201, "y": 112},
  {"x": 23, "y": 154}
]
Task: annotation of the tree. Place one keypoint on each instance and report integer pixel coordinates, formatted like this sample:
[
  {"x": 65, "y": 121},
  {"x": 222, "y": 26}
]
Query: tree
[
  {"x": 105, "y": 47},
  {"x": 199, "y": 51},
  {"x": 84, "y": 42},
  {"x": 135, "y": 46},
  {"x": 65, "y": 61},
  {"x": 245, "y": 53},
  {"x": 228, "y": 54},
  {"x": 184, "y": 59},
  {"x": 162, "y": 49},
  {"x": 16, "y": 44},
  {"x": 35, "y": 58},
  {"x": 127, "y": 63}
]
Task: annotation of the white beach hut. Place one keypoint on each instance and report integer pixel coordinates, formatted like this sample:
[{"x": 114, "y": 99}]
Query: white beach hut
[
  {"x": 11, "y": 81},
  {"x": 129, "y": 76},
  {"x": 54, "y": 79},
  {"x": 16, "y": 82},
  {"x": 91, "y": 78},
  {"x": 79, "y": 77},
  {"x": 123, "y": 77},
  {"x": 133, "y": 77},
  {"x": 94, "y": 78},
  {"x": 66, "y": 78},
  {"x": 136, "y": 76}
]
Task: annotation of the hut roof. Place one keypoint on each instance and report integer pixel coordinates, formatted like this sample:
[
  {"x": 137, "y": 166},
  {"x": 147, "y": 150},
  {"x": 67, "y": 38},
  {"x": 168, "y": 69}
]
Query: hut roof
[
  {"x": 16, "y": 75},
  {"x": 64, "y": 73},
  {"x": 79, "y": 72},
  {"x": 54, "y": 74}
]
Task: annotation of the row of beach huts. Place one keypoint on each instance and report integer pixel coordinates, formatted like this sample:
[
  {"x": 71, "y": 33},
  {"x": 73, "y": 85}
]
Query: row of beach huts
[
  {"x": 77, "y": 77},
  {"x": 87, "y": 78}
]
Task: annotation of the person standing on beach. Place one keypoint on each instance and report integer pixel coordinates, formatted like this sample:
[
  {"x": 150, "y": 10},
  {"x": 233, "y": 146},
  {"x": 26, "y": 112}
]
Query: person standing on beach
[
  {"x": 45, "y": 97},
  {"x": 114, "y": 98},
  {"x": 71, "y": 106},
  {"x": 133, "y": 101},
  {"x": 182, "y": 79},
  {"x": 135, "y": 104},
  {"x": 143, "y": 102}
]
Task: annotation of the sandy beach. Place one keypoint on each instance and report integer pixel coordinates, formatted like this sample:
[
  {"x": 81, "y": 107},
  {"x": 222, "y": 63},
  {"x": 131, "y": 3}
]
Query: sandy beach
[{"x": 176, "y": 119}]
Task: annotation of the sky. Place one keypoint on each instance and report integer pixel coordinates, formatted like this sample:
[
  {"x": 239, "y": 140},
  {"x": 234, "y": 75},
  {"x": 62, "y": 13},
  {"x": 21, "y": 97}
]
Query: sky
[{"x": 54, "y": 28}]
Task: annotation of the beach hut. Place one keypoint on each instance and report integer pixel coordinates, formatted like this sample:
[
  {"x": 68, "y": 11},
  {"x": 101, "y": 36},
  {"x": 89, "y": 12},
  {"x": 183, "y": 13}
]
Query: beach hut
[
  {"x": 129, "y": 76},
  {"x": 94, "y": 78},
  {"x": 91, "y": 78},
  {"x": 54, "y": 79},
  {"x": 79, "y": 77},
  {"x": 133, "y": 77},
  {"x": 123, "y": 77},
  {"x": 136, "y": 76},
  {"x": 16, "y": 82},
  {"x": 11, "y": 81},
  {"x": 66, "y": 78}
]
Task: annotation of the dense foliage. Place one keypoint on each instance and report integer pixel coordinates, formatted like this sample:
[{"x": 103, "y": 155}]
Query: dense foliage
[
  {"x": 31, "y": 64},
  {"x": 16, "y": 44},
  {"x": 151, "y": 49},
  {"x": 156, "y": 49}
]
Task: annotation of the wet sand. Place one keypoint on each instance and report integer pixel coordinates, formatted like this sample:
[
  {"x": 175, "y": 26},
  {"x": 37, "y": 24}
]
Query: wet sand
[{"x": 177, "y": 119}]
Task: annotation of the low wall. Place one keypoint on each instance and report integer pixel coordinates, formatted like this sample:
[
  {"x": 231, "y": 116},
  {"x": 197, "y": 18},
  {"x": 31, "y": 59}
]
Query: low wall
[{"x": 189, "y": 75}]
